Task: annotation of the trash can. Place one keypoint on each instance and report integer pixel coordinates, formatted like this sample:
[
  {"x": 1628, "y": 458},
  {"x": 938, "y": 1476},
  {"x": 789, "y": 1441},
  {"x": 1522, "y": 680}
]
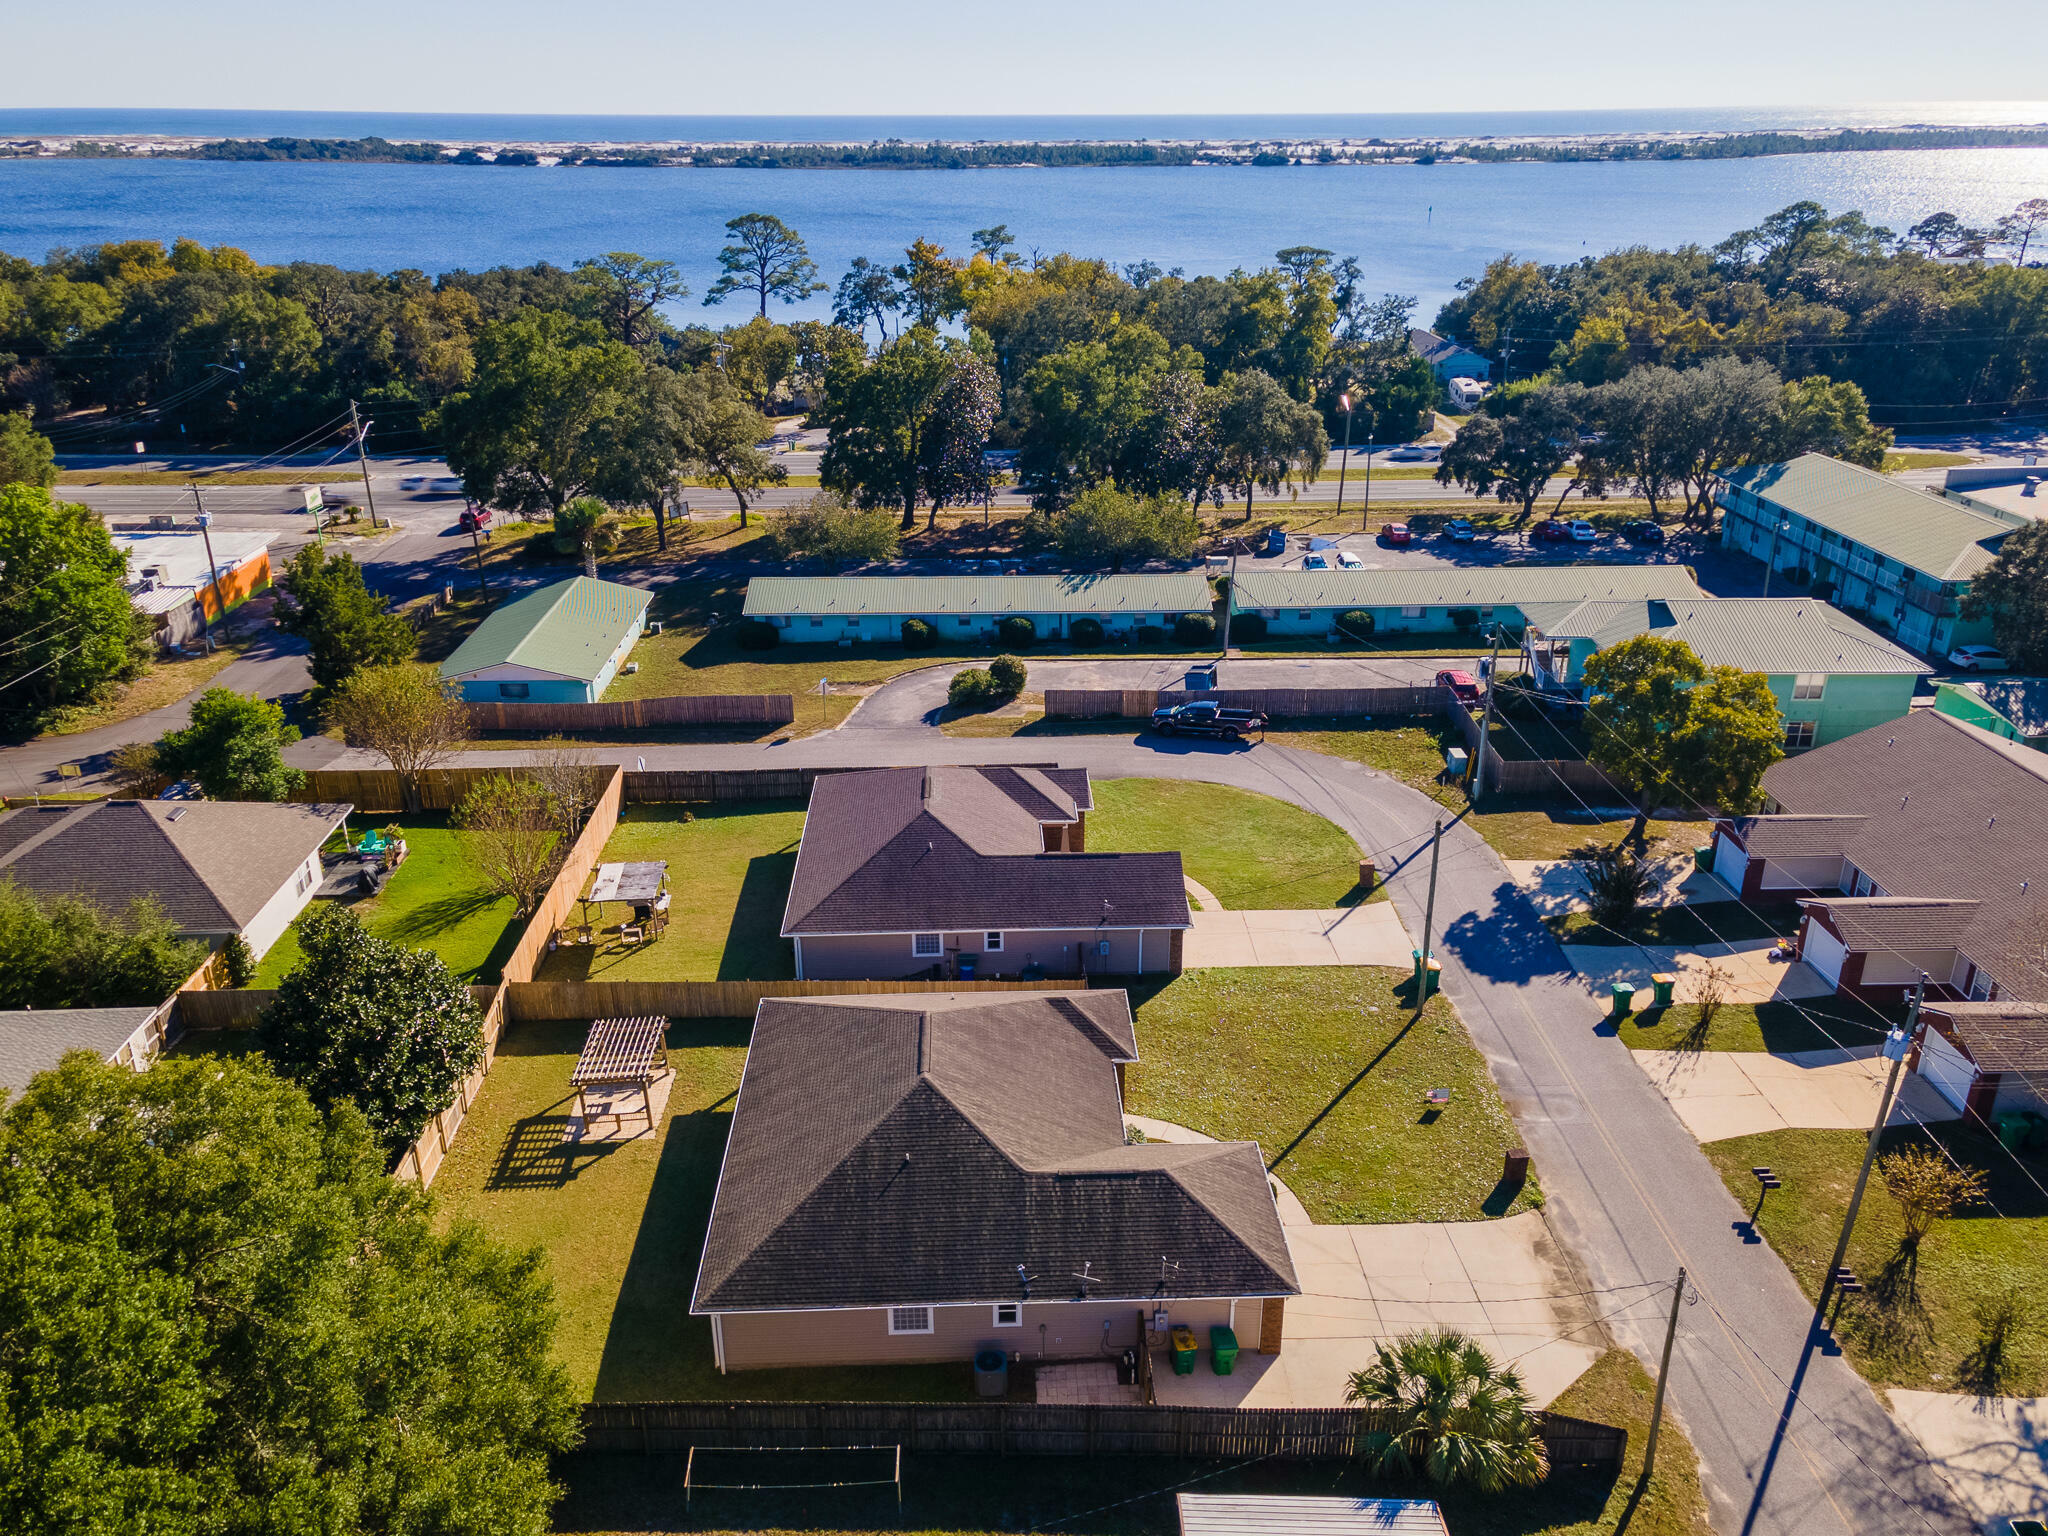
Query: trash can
[
  {"x": 1183, "y": 1351},
  {"x": 966, "y": 966},
  {"x": 991, "y": 1373},
  {"x": 2012, "y": 1130},
  {"x": 1222, "y": 1349},
  {"x": 1660, "y": 989},
  {"x": 1703, "y": 858},
  {"x": 1433, "y": 979},
  {"x": 1624, "y": 999}
]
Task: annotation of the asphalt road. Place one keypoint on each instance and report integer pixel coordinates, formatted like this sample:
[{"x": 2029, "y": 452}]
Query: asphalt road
[{"x": 1628, "y": 1189}]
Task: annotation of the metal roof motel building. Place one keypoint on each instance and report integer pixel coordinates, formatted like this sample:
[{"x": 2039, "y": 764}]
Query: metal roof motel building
[{"x": 820, "y": 609}]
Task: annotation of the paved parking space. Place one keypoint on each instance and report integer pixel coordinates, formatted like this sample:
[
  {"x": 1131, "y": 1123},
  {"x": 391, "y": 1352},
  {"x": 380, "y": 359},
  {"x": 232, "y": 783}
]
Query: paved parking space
[
  {"x": 1993, "y": 1451},
  {"x": 1719, "y": 1094},
  {"x": 1367, "y": 935}
]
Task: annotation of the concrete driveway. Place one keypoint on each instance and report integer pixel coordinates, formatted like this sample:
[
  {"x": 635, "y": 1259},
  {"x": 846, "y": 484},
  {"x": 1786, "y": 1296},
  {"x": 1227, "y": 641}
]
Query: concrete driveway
[
  {"x": 1557, "y": 886},
  {"x": 1367, "y": 935},
  {"x": 1719, "y": 1094},
  {"x": 1750, "y": 974},
  {"x": 1993, "y": 1451}
]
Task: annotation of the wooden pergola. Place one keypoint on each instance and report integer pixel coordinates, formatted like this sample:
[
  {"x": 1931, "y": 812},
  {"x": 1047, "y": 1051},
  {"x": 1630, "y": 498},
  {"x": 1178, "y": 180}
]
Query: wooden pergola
[{"x": 620, "y": 1054}]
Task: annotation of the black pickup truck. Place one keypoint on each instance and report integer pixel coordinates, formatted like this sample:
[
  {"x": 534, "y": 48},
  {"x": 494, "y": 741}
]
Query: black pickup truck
[{"x": 1207, "y": 718}]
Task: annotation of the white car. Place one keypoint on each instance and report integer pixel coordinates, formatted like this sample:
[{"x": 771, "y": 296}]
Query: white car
[
  {"x": 1348, "y": 561},
  {"x": 447, "y": 485},
  {"x": 1583, "y": 532},
  {"x": 1412, "y": 453},
  {"x": 1459, "y": 530},
  {"x": 1977, "y": 658}
]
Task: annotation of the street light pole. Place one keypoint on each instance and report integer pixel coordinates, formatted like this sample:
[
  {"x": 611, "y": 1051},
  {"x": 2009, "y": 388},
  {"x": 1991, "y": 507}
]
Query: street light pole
[
  {"x": 1475, "y": 775},
  {"x": 1771, "y": 561},
  {"x": 1344, "y": 463},
  {"x": 1372, "y": 427},
  {"x": 1896, "y": 1045}
]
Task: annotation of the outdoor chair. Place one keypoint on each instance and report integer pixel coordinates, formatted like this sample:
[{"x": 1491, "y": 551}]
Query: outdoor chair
[{"x": 629, "y": 935}]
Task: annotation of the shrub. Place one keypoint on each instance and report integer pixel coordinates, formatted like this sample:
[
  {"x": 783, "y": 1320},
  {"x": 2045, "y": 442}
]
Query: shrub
[
  {"x": 758, "y": 635},
  {"x": 970, "y": 688},
  {"x": 1007, "y": 674},
  {"x": 1248, "y": 626},
  {"x": 240, "y": 961},
  {"x": 918, "y": 635},
  {"x": 1085, "y": 631},
  {"x": 1149, "y": 634},
  {"x": 1195, "y": 629},
  {"x": 1356, "y": 622},
  {"x": 1016, "y": 632},
  {"x": 1464, "y": 618},
  {"x": 66, "y": 952},
  {"x": 827, "y": 528}
]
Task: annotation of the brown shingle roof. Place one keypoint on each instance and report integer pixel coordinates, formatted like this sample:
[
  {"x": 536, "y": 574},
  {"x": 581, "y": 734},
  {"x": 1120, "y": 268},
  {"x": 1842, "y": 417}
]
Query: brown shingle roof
[
  {"x": 2000, "y": 1037},
  {"x": 961, "y": 1148},
  {"x": 1791, "y": 837},
  {"x": 900, "y": 850},
  {"x": 211, "y": 864},
  {"x": 1951, "y": 813},
  {"x": 1898, "y": 922}
]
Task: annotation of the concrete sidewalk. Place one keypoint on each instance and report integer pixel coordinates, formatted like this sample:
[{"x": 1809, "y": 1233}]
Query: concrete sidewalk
[
  {"x": 1367, "y": 935},
  {"x": 1993, "y": 1451},
  {"x": 1719, "y": 1094}
]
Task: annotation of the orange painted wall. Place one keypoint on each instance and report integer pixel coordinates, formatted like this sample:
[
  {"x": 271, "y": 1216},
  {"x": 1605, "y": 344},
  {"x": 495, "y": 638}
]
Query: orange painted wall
[{"x": 239, "y": 585}]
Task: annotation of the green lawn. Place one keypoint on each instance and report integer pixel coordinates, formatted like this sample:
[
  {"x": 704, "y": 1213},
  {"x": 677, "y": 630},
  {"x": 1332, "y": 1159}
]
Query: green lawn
[
  {"x": 1922, "y": 459},
  {"x": 623, "y": 1226},
  {"x": 1253, "y": 851},
  {"x": 434, "y": 901},
  {"x": 1690, "y": 925},
  {"x": 1323, "y": 1068},
  {"x": 1916, "y": 1325},
  {"x": 1817, "y": 1024},
  {"x": 728, "y": 876},
  {"x": 1517, "y": 826},
  {"x": 1133, "y": 1495}
]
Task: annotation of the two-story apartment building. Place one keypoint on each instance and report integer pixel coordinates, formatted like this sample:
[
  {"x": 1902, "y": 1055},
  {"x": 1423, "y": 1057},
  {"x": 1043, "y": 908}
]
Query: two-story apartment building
[
  {"x": 1831, "y": 676},
  {"x": 1898, "y": 558}
]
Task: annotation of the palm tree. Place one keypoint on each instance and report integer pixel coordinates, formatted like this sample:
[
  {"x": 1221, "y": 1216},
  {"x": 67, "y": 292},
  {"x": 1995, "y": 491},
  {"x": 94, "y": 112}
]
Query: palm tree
[{"x": 1446, "y": 1399}]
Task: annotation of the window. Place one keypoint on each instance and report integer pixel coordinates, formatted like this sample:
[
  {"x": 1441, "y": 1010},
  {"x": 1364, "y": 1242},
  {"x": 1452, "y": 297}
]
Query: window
[
  {"x": 991, "y": 943},
  {"x": 1798, "y": 735},
  {"x": 910, "y": 1319},
  {"x": 1411, "y": 610},
  {"x": 926, "y": 944},
  {"x": 1009, "y": 1314},
  {"x": 304, "y": 883},
  {"x": 1304, "y": 614},
  {"x": 513, "y": 690},
  {"x": 1809, "y": 685},
  {"x": 817, "y": 623}
]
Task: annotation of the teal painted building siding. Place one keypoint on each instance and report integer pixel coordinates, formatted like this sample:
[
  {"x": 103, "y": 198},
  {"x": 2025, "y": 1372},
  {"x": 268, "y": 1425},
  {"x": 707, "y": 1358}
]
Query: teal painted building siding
[
  {"x": 1849, "y": 702},
  {"x": 491, "y": 684},
  {"x": 872, "y": 628},
  {"x": 1419, "y": 619}
]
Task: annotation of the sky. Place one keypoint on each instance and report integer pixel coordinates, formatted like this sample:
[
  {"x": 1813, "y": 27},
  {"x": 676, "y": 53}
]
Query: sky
[{"x": 898, "y": 57}]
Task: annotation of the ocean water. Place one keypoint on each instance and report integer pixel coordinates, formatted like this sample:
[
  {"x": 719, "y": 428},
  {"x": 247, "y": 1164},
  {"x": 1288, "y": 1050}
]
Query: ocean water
[{"x": 1416, "y": 229}]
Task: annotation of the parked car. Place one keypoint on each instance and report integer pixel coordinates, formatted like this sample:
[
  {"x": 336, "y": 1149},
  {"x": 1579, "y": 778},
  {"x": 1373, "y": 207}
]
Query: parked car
[
  {"x": 1978, "y": 658},
  {"x": 1581, "y": 531},
  {"x": 1348, "y": 561},
  {"x": 1459, "y": 530},
  {"x": 1205, "y": 717},
  {"x": 1642, "y": 531},
  {"x": 1276, "y": 542},
  {"x": 1415, "y": 453},
  {"x": 474, "y": 517},
  {"x": 1396, "y": 535},
  {"x": 1315, "y": 562},
  {"x": 1463, "y": 685},
  {"x": 1551, "y": 531}
]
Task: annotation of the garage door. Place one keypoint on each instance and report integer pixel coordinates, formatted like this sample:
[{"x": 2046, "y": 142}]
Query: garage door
[
  {"x": 1729, "y": 863},
  {"x": 1824, "y": 952},
  {"x": 1947, "y": 1068}
]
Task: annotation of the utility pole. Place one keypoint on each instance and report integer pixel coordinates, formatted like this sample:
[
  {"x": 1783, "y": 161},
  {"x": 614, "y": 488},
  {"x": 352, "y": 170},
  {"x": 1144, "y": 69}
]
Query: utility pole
[
  {"x": 476, "y": 543},
  {"x": 1344, "y": 463},
  {"x": 1771, "y": 560},
  {"x": 363, "y": 460},
  {"x": 1475, "y": 779},
  {"x": 1229, "y": 602},
  {"x": 1663, "y": 1373},
  {"x": 205, "y": 521},
  {"x": 1896, "y": 1045},
  {"x": 1436, "y": 844},
  {"x": 1372, "y": 427}
]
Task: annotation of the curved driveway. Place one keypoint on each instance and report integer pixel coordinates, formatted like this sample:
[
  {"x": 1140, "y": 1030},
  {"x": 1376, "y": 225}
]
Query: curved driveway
[{"x": 1629, "y": 1188}]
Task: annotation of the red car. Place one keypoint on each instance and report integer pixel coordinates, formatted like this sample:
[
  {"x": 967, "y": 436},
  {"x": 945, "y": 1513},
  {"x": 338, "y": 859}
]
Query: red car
[
  {"x": 1551, "y": 531},
  {"x": 1396, "y": 534},
  {"x": 474, "y": 517},
  {"x": 1463, "y": 685}
]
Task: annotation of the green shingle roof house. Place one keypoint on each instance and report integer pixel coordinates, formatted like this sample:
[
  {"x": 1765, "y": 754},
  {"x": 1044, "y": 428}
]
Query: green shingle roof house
[
  {"x": 559, "y": 645},
  {"x": 1832, "y": 677}
]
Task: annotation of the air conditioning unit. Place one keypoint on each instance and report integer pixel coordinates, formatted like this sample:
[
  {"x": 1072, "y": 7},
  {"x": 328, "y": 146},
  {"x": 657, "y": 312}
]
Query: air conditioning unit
[{"x": 654, "y": 628}]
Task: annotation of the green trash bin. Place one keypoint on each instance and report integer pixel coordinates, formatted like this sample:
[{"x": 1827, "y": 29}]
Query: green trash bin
[
  {"x": 1624, "y": 999},
  {"x": 1184, "y": 1351},
  {"x": 2012, "y": 1131},
  {"x": 1703, "y": 858},
  {"x": 1660, "y": 989},
  {"x": 1222, "y": 1349}
]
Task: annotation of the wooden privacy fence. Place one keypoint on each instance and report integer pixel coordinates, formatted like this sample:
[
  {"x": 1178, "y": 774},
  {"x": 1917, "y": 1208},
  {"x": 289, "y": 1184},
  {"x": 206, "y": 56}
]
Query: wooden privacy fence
[
  {"x": 650, "y": 786},
  {"x": 380, "y": 792},
  {"x": 1275, "y": 703},
  {"x": 531, "y": 1000},
  {"x": 1040, "y": 1429},
  {"x": 582, "y": 858},
  {"x": 625, "y": 714},
  {"x": 422, "y": 1160}
]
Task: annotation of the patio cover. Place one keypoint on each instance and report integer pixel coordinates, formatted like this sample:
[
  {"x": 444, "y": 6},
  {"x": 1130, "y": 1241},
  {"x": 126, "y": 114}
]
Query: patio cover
[
  {"x": 620, "y": 1051},
  {"x": 639, "y": 883}
]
